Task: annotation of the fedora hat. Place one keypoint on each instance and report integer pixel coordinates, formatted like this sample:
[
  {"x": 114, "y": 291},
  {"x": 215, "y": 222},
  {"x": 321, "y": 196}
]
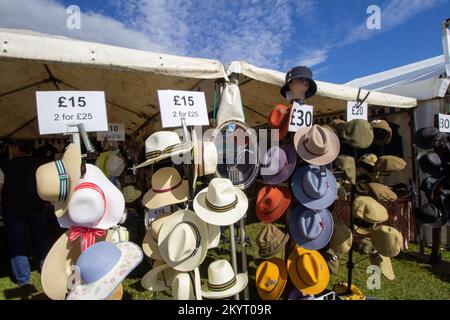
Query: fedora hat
[
  {"x": 115, "y": 165},
  {"x": 425, "y": 138},
  {"x": 316, "y": 145},
  {"x": 183, "y": 240},
  {"x": 55, "y": 181},
  {"x": 272, "y": 202},
  {"x": 363, "y": 227},
  {"x": 358, "y": 134},
  {"x": 384, "y": 263},
  {"x": 167, "y": 188},
  {"x": 221, "y": 203},
  {"x": 380, "y": 192},
  {"x": 382, "y": 132},
  {"x": 162, "y": 145},
  {"x": 150, "y": 242},
  {"x": 279, "y": 119},
  {"x": 271, "y": 240},
  {"x": 131, "y": 194},
  {"x": 299, "y": 72},
  {"x": 368, "y": 209},
  {"x": 222, "y": 281},
  {"x": 390, "y": 163},
  {"x": 278, "y": 164},
  {"x": 102, "y": 267},
  {"x": 346, "y": 164},
  {"x": 313, "y": 187},
  {"x": 342, "y": 238},
  {"x": 387, "y": 240},
  {"x": 271, "y": 278},
  {"x": 367, "y": 161},
  {"x": 311, "y": 229},
  {"x": 430, "y": 163},
  {"x": 308, "y": 271},
  {"x": 159, "y": 278},
  {"x": 331, "y": 259}
]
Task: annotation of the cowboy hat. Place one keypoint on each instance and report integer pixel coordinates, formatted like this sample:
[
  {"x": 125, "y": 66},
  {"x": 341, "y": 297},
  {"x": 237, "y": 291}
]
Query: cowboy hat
[
  {"x": 102, "y": 267},
  {"x": 368, "y": 209},
  {"x": 272, "y": 202},
  {"x": 131, "y": 194},
  {"x": 55, "y": 181},
  {"x": 115, "y": 165},
  {"x": 314, "y": 187},
  {"x": 382, "y": 132},
  {"x": 367, "y": 161},
  {"x": 430, "y": 163},
  {"x": 387, "y": 240},
  {"x": 271, "y": 240},
  {"x": 358, "y": 134},
  {"x": 271, "y": 278},
  {"x": 384, "y": 263},
  {"x": 346, "y": 164},
  {"x": 221, "y": 203},
  {"x": 159, "y": 278},
  {"x": 316, "y": 145},
  {"x": 308, "y": 271},
  {"x": 331, "y": 259},
  {"x": 150, "y": 242},
  {"x": 279, "y": 119},
  {"x": 278, "y": 164},
  {"x": 342, "y": 238},
  {"x": 183, "y": 240},
  {"x": 390, "y": 163},
  {"x": 167, "y": 188},
  {"x": 311, "y": 229},
  {"x": 222, "y": 281},
  {"x": 299, "y": 72}
]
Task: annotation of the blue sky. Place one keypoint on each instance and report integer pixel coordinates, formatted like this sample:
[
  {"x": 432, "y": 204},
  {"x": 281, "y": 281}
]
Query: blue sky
[{"x": 330, "y": 36}]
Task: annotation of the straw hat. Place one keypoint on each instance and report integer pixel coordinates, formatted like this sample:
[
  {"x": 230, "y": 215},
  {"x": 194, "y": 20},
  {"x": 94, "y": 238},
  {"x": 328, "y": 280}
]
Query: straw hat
[
  {"x": 131, "y": 194},
  {"x": 160, "y": 278},
  {"x": 272, "y": 202},
  {"x": 221, "y": 203},
  {"x": 279, "y": 119},
  {"x": 387, "y": 240},
  {"x": 384, "y": 263},
  {"x": 278, "y": 164},
  {"x": 150, "y": 242},
  {"x": 368, "y": 209},
  {"x": 382, "y": 132},
  {"x": 183, "y": 287},
  {"x": 167, "y": 188},
  {"x": 56, "y": 180},
  {"x": 342, "y": 238},
  {"x": 316, "y": 145},
  {"x": 222, "y": 281},
  {"x": 205, "y": 155},
  {"x": 183, "y": 240},
  {"x": 271, "y": 240},
  {"x": 115, "y": 165},
  {"x": 271, "y": 278}
]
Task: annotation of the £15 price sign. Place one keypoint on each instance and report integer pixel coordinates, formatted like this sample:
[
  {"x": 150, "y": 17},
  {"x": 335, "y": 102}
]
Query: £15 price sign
[
  {"x": 356, "y": 110},
  {"x": 59, "y": 109},
  {"x": 301, "y": 116}
]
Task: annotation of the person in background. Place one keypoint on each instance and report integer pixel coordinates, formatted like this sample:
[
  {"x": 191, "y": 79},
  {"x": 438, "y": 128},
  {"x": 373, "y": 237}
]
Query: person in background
[{"x": 23, "y": 211}]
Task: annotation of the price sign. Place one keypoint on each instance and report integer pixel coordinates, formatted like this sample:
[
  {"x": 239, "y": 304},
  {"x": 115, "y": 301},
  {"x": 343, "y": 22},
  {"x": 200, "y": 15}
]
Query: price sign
[
  {"x": 177, "y": 105},
  {"x": 356, "y": 111},
  {"x": 58, "y": 109},
  {"x": 444, "y": 122},
  {"x": 301, "y": 116},
  {"x": 116, "y": 132}
]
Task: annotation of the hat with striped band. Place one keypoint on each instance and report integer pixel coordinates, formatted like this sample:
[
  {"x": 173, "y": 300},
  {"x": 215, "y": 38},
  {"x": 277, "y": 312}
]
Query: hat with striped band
[{"x": 222, "y": 281}]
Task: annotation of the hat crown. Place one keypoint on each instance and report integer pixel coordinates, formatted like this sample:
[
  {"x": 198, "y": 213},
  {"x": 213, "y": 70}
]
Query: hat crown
[
  {"x": 274, "y": 160},
  {"x": 165, "y": 178},
  {"x": 160, "y": 140},
  {"x": 269, "y": 276},
  {"x": 270, "y": 235},
  {"x": 181, "y": 242},
  {"x": 299, "y": 71},
  {"x": 310, "y": 224},
  {"x": 314, "y": 184},
  {"x": 309, "y": 268},
  {"x": 220, "y": 192},
  {"x": 156, "y": 225},
  {"x": 86, "y": 207},
  {"x": 220, "y": 272},
  {"x": 316, "y": 140}
]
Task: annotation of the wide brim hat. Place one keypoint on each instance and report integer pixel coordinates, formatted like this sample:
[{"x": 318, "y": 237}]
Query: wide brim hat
[
  {"x": 300, "y": 72},
  {"x": 265, "y": 273},
  {"x": 159, "y": 278},
  {"x": 105, "y": 286},
  {"x": 325, "y": 235},
  {"x": 279, "y": 207},
  {"x": 237, "y": 285},
  {"x": 384, "y": 263},
  {"x": 150, "y": 245},
  {"x": 287, "y": 169},
  {"x": 301, "y": 194}
]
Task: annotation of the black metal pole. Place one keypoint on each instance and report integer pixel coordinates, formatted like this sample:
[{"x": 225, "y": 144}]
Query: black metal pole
[{"x": 350, "y": 264}]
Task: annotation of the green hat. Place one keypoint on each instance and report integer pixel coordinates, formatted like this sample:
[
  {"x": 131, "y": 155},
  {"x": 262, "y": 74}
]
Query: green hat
[
  {"x": 367, "y": 161},
  {"x": 358, "y": 134},
  {"x": 381, "y": 192},
  {"x": 347, "y": 164},
  {"x": 382, "y": 132},
  {"x": 390, "y": 163}
]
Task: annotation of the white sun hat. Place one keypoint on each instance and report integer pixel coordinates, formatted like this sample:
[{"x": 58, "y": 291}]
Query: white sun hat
[{"x": 222, "y": 281}]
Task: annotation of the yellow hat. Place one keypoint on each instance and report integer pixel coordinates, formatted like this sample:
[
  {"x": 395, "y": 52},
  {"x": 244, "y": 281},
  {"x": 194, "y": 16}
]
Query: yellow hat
[
  {"x": 308, "y": 270},
  {"x": 341, "y": 291},
  {"x": 271, "y": 278},
  {"x": 368, "y": 209}
]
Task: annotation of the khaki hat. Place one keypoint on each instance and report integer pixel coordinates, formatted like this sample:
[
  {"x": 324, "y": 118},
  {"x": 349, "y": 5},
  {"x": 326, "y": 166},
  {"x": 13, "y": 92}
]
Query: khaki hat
[
  {"x": 382, "y": 132},
  {"x": 271, "y": 278},
  {"x": 387, "y": 240},
  {"x": 358, "y": 134},
  {"x": 363, "y": 227},
  {"x": 390, "y": 163},
  {"x": 365, "y": 246},
  {"x": 367, "y": 161},
  {"x": 271, "y": 240},
  {"x": 368, "y": 209},
  {"x": 338, "y": 125},
  {"x": 150, "y": 242},
  {"x": 381, "y": 192},
  {"x": 56, "y": 181},
  {"x": 384, "y": 263},
  {"x": 347, "y": 164},
  {"x": 131, "y": 194},
  {"x": 342, "y": 238}
]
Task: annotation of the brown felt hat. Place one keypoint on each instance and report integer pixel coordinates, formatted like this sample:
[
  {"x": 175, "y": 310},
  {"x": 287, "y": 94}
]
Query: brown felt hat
[{"x": 271, "y": 240}]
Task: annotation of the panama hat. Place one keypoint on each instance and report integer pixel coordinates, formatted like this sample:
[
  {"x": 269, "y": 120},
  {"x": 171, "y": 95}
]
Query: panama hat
[
  {"x": 387, "y": 240},
  {"x": 271, "y": 278},
  {"x": 205, "y": 155},
  {"x": 183, "y": 240},
  {"x": 278, "y": 164},
  {"x": 271, "y": 240},
  {"x": 331, "y": 259},
  {"x": 311, "y": 229},
  {"x": 382, "y": 132},
  {"x": 131, "y": 194},
  {"x": 222, "y": 281},
  {"x": 430, "y": 163},
  {"x": 279, "y": 119},
  {"x": 342, "y": 238},
  {"x": 162, "y": 145},
  {"x": 150, "y": 242},
  {"x": 368, "y": 209},
  {"x": 183, "y": 287},
  {"x": 55, "y": 181},
  {"x": 308, "y": 270},
  {"x": 272, "y": 202},
  {"x": 390, "y": 163},
  {"x": 316, "y": 145},
  {"x": 159, "y": 278},
  {"x": 314, "y": 188},
  {"x": 115, "y": 165},
  {"x": 102, "y": 267},
  {"x": 299, "y": 72},
  {"x": 221, "y": 203},
  {"x": 367, "y": 161},
  {"x": 384, "y": 263},
  {"x": 96, "y": 202},
  {"x": 346, "y": 164},
  {"x": 380, "y": 192},
  {"x": 358, "y": 134},
  {"x": 167, "y": 188}
]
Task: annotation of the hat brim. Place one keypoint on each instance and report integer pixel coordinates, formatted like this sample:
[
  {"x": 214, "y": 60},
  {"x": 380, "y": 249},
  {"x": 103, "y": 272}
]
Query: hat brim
[
  {"x": 277, "y": 291},
  {"x": 213, "y": 236},
  {"x": 241, "y": 283},
  {"x": 311, "y": 91},
  {"x": 279, "y": 211},
  {"x": 287, "y": 170},
  {"x": 331, "y": 155},
  {"x": 154, "y": 200},
  {"x": 151, "y": 282},
  {"x": 183, "y": 288},
  {"x": 186, "y": 147},
  {"x": 150, "y": 247},
  {"x": 277, "y": 249},
  {"x": 223, "y": 218},
  {"x": 324, "y": 237},
  {"x": 308, "y": 202}
]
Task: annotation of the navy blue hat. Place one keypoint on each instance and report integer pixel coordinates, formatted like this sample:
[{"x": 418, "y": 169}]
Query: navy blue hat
[{"x": 300, "y": 72}]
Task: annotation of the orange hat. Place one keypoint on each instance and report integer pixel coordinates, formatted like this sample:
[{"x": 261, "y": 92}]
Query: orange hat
[
  {"x": 279, "y": 119},
  {"x": 271, "y": 279},
  {"x": 272, "y": 202}
]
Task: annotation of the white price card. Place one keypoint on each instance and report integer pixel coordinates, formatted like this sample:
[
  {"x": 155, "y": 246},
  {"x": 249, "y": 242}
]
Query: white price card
[
  {"x": 356, "y": 111},
  {"x": 116, "y": 132},
  {"x": 176, "y": 105},
  {"x": 59, "y": 109},
  {"x": 444, "y": 122},
  {"x": 301, "y": 116}
]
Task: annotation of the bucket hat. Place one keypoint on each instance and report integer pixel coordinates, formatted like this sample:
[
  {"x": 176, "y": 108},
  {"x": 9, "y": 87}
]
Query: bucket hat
[
  {"x": 358, "y": 134},
  {"x": 222, "y": 281},
  {"x": 271, "y": 240},
  {"x": 387, "y": 240},
  {"x": 342, "y": 238},
  {"x": 279, "y": 119},
  {"x": 382, "y": 132},
  {"x": 271, "y": 278},
  {"x": 278, "y": 164},
  {"x": 299, "y": 72},
  {"x": 272, "y": 202}
]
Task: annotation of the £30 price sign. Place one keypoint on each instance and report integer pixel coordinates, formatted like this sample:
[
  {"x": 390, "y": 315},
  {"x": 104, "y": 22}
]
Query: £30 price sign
[
  {"x": 444, "y": 122},
  {"x": 301, "y": 116}
]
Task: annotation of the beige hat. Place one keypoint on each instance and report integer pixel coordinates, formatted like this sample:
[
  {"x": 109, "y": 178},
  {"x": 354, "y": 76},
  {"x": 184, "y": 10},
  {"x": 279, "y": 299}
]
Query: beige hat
[
  {"x": 387, "y": 240},
  {"x": 150, "y": 242},
  {"x": 384, "y": 263},
  {"x": 131, "y": 194},
  {"x": 222, "y": 281},
  {"x": 342, "y": 238},
  {"x": 183, "y": 287},
  {"x": 56, "y": 180},
  {"x": 365, "y": 246},
  {"x": 381, "y": 192},
  {"x": 368, "y": 209},
  {"x": 160, "y": 278},
  {"x": 167, "y": 188}
]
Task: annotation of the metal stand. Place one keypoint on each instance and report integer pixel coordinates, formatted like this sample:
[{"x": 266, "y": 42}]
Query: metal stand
[
  {"x": 350, "y": 264},
  {"x": 244, "y": 253},
  {"x": 233, "y": 254}
]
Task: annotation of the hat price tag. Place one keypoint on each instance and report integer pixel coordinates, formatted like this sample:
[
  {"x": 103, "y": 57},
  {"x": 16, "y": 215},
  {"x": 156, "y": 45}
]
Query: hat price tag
[
  {"x": 444, "y": 122},
  {"x": 176, "y": 105},
  {"x": 301, "y": 116},
  {"x": 59, "y": 110},
  {"x": 356, "y": 110},
  {"x": 116, "y": 132}
]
